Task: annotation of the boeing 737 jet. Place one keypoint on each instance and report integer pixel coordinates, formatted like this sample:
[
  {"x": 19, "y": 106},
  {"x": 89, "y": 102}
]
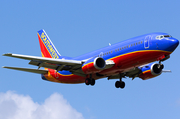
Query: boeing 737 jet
[{"x": 130, "y": 58}]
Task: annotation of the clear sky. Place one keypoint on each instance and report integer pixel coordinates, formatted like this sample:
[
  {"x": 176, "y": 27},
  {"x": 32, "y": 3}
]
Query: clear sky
[{"x": 78, "y": 27}]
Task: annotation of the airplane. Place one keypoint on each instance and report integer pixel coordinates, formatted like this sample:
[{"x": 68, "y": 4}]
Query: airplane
[{"x": 131, "y": 58}]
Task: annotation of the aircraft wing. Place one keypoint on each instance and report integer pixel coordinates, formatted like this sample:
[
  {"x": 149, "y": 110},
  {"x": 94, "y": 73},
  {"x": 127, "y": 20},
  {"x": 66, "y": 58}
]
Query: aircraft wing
[
  {"x": 132, "y": 73},
  {"x": 43, "y": 59},
  {"x": 73, "y": 66}
]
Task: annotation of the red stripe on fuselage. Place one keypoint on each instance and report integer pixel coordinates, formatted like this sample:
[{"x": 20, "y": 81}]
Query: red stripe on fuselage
[
  {"x": 134, "y": 59},
  {"x": 122, "y": 63}
]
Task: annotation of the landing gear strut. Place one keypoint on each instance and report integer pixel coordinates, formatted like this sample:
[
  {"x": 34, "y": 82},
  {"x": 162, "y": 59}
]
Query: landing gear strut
[
  {"x": 120, "y": 84},
  {"x": 90, "y": 81},
  {"x": 160, "y": 66}
]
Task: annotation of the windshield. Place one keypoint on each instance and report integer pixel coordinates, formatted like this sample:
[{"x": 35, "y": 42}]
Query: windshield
[{"x": 162, "y": 36}]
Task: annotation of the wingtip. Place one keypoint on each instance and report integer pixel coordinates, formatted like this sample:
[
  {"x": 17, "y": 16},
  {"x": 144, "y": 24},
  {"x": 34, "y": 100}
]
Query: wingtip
[
  {"x": 7, "y": 54},
  {"x": 4, "y": 67}
]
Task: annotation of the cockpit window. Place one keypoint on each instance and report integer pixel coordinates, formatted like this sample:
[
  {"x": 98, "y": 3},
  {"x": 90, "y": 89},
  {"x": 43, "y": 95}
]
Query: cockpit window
[
  {"x": 162, "y": 36},
  {"x": 167, "y": 36}
]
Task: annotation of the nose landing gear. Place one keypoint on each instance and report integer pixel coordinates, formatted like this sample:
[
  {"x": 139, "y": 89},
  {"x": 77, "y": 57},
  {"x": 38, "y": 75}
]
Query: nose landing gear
[{"x": 160, "y": 66}]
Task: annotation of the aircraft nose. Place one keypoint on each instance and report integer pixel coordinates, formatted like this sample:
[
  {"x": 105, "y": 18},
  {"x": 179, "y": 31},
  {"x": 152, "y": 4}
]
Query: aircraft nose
[{"x": 173, "y": 43}]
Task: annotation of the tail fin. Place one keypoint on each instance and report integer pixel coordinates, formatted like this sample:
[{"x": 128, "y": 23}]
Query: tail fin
[{"x": 47, "y": 48}]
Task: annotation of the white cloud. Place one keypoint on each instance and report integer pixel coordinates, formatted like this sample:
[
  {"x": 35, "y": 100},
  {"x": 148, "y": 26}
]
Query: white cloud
[{"x": 15, "y": 106}]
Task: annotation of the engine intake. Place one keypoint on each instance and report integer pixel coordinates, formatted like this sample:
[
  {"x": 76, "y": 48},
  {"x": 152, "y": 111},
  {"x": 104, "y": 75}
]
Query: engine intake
[
  {"x": 155, "y": 69},
  {"x": 99, "y": 63}
]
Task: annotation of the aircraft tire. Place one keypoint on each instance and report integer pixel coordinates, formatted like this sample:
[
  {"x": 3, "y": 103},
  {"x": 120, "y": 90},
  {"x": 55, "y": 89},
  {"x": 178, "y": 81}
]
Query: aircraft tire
[
  {"x": 92, "y": 82},
  {"x": 162, "y": 66},
  {"x": 117, "y": 84},
  {"x": 122, "y": 84},
  {"x": 87, "y": 81}
]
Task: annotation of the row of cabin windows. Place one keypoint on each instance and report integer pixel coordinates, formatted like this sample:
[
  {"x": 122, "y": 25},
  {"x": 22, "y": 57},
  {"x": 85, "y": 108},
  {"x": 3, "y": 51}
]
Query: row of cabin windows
[
  {"x": 119, "y": 49},
  {"x": 134, "y": 44},
  {"x": 106, "y": 53}
]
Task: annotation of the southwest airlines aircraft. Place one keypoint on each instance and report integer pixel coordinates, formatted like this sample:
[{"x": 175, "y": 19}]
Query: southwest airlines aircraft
[{"x": 128, "y": 58}]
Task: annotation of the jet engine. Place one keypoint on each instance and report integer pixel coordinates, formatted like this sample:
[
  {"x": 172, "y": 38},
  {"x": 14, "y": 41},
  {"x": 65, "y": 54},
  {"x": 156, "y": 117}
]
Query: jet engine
[
  {"x": 151, "y": 70},
  {"x": 95, "y": 65}
]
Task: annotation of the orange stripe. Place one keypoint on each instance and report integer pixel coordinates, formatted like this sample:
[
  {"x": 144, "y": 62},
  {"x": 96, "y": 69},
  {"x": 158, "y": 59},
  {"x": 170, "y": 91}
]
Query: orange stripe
[{"x": 137, "y": 52}]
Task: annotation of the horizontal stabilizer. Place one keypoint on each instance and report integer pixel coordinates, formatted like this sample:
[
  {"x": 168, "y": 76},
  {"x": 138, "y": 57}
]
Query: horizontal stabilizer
[{"x": 38, "y": 71}]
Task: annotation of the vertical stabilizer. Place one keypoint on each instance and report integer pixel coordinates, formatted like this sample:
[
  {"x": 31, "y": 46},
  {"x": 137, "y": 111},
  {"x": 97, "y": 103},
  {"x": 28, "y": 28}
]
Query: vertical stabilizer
[{"x": 47, "y": 48}]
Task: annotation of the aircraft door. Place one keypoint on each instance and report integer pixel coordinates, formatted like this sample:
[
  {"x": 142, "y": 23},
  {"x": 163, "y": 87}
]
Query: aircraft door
[{"x": 146, "y": 41}]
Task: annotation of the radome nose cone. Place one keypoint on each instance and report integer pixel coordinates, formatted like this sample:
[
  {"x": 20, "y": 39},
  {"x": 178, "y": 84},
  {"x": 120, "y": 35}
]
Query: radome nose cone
[
  {"x": 173, "y": 44},
  {"x": 177, "y": 42}
]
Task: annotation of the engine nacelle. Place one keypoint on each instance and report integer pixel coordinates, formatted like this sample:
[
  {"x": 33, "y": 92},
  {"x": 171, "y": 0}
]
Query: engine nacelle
[
  {"x": 95, "y": 65},
  {"x": 150, "y": 71}
]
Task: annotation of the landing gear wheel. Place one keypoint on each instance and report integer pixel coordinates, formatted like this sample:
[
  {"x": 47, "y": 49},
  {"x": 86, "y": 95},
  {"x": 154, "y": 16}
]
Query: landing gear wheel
[
  {"x": 161, "y": 66},
  {"x": 119, "y": 84},
  {"x": 87, "y": 81},
  {"x": 92, "y": 82},
  {"x": 122, "y": 84}
]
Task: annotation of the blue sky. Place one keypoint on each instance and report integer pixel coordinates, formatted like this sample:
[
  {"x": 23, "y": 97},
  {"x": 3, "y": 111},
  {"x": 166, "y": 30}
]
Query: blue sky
[{"x": 78, "y": 27}]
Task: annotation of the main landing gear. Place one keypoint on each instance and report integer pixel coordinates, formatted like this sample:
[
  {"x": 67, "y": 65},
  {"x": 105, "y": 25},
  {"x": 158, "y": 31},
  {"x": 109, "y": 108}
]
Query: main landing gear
[
  {"x": 90, "y": 81},
  {"x": 120, "y": 84}
]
